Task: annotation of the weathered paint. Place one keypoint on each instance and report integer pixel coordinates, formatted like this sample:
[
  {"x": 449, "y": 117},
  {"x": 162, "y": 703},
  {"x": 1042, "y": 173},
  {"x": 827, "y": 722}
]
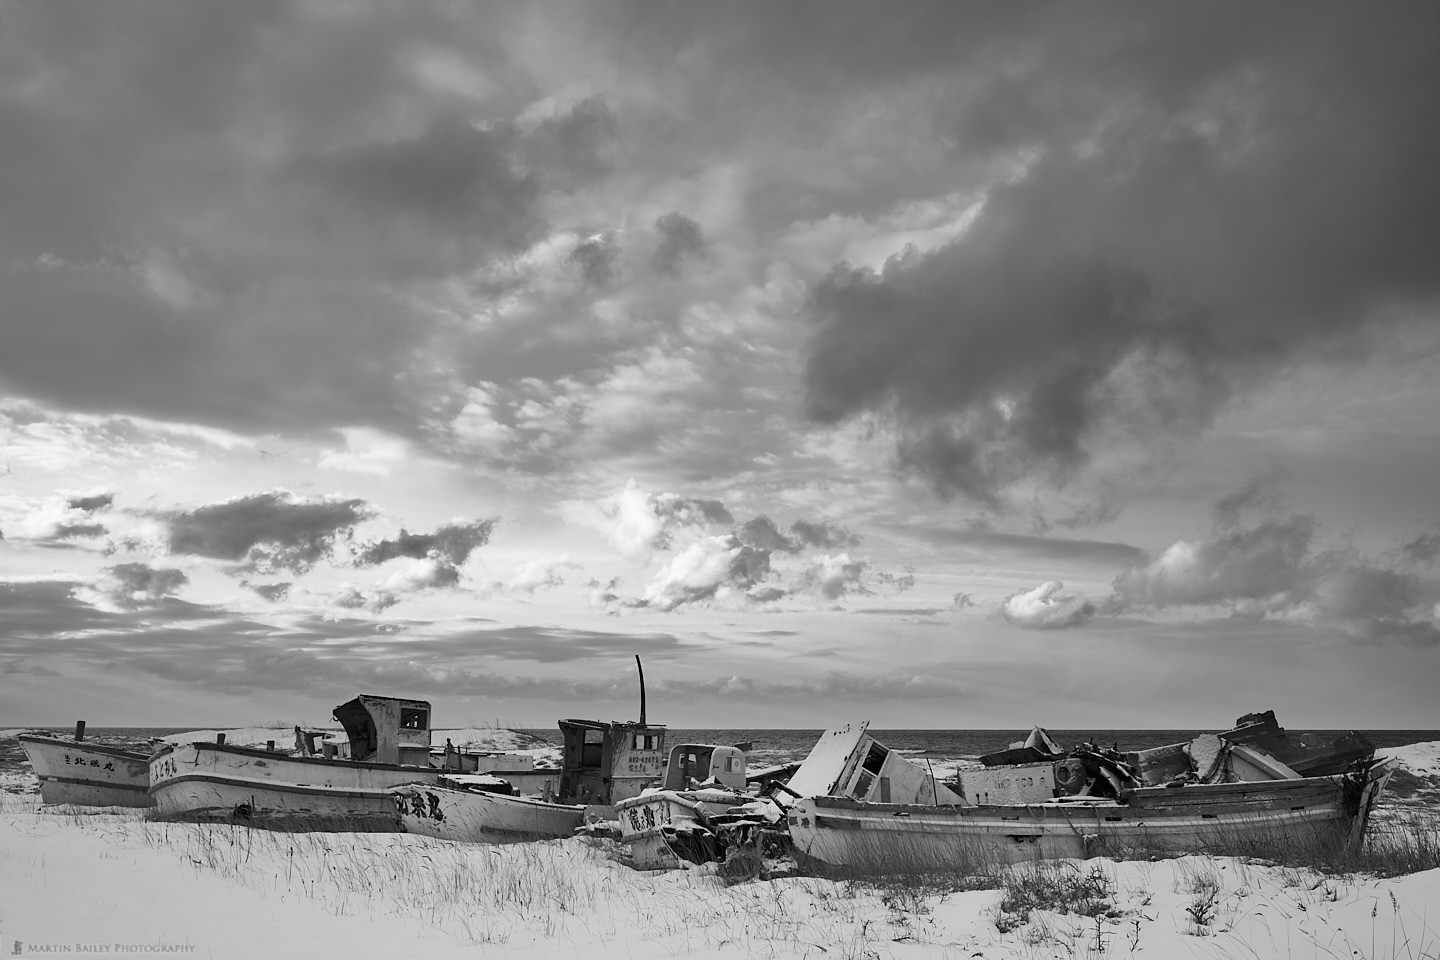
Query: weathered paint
[
  {"x": 1023, "y": 783},
  {"x": 1201, "y": 818},
  {"x": 450, "y": 813},
  {"x": 88, "y": 774}
]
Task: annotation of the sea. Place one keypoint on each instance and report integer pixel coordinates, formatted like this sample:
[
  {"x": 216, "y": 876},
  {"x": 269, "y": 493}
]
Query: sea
[{"x": 776, "y": 746}]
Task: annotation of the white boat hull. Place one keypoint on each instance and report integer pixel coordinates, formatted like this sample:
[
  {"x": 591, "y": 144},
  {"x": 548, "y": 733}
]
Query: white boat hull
[
  {"x": 214, "y": 797},
  {"x": 88, "y": 774},
  {"x": 467, "y": 816},
  {"x": 1234, "y": 818},
  {"x": 207, "y": 780}
]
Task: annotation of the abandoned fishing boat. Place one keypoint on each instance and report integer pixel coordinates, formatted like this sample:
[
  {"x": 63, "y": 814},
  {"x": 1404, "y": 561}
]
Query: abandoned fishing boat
[
  {"x": 676, "y": 822},
  {"x": 87, "y": 774},
  {"x": 388, "y": 743},
  {"x": 481, "y": 808},
  {"x": 1235, "y": 799},
  {"x": 602, "y": 763}
]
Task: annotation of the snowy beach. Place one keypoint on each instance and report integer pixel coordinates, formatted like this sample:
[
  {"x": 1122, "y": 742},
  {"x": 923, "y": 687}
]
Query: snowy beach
[{"x": 114, "y": 883}]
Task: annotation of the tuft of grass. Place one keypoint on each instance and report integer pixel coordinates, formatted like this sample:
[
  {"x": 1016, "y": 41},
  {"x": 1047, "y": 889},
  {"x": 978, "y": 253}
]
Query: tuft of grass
[{"x": 1057, "y": 886}]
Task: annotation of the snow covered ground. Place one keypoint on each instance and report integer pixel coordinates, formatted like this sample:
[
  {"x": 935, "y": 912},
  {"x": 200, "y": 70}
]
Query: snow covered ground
[
  {"x": 111, "y": 882},
  {"x": 117, "y": 880}
]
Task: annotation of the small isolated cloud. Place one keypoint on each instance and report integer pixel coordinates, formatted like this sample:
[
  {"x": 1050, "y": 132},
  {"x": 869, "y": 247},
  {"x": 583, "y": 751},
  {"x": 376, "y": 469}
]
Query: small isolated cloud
[
  {"x": 266, "y": 531},
  {"x": 541, "y": 573},
  {"x": 1046, "y": 608},
  {"x": 133, "y": 586},
  {"x": 603, "y": 594},
  {"x": 452, "y": 543}
]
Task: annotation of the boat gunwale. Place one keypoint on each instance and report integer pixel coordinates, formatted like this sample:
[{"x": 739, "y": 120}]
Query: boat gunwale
[
  {"x": 291, "y": 758},
  {"x": 104, "y": 749}
]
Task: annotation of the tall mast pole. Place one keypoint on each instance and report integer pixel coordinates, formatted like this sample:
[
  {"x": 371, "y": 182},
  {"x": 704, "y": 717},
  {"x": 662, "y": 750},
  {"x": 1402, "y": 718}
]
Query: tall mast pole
[{"x": 642, "y": 688}]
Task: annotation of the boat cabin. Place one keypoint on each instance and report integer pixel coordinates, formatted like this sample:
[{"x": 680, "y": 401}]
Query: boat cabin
[
  {"x": 607, "y": 762},
  {"x": 695, "y": 763},
  {"x": 387, "y": 729},
  {"x": 847, "y": 762}
]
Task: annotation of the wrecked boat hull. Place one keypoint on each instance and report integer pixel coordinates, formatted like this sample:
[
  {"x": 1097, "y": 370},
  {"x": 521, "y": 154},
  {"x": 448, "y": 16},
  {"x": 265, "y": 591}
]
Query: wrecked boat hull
[
  {"x": 468, "y": 816},
  {"x": 88, "y": 774},
  {"x": 1230, "y": 818},
  {"x": 666, "y": 828}
]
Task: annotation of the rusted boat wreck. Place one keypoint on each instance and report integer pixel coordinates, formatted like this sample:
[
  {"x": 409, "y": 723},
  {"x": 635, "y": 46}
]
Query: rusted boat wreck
[
  {"x": 87, "y": 774},
  {"x": 602, "y": 763},
  {"x": 387, "y": 744},
  {"x": 1228, "y": 798}
]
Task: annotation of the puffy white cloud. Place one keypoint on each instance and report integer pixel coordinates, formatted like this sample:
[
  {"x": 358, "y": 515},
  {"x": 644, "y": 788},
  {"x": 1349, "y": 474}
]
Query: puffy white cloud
[
  {"x": 1046, "y": 608},
  {"x": 707, "y": 568}
]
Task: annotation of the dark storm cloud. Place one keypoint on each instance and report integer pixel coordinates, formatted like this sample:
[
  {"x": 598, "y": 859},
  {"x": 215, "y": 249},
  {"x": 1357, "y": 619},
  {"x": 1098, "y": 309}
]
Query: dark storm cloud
[
  {"x": 266, "y": 530},
  {"x": 680, "y": 240},
  {"x": 453, "y": 543},
  {"x": 220, "y": 212},
  {"x": 453, "y": 182},
  {"x": 1204, "y": 195}
]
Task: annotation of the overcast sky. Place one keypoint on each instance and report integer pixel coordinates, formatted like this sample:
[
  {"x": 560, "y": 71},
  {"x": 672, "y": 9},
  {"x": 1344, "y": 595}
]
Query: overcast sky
[{"x": 939, "y": 364}]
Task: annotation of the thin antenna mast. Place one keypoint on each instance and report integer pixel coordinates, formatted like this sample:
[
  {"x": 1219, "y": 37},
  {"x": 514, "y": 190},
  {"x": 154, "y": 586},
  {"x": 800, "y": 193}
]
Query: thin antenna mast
[{"x": 642, "y": 688}]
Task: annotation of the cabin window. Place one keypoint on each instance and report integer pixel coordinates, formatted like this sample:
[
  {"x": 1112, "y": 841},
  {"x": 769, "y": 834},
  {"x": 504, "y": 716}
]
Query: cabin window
[
  {"x": 647, "y": 741},
  {"x": 729, "y": 764},
  {"x": 411, "y": 719}
]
